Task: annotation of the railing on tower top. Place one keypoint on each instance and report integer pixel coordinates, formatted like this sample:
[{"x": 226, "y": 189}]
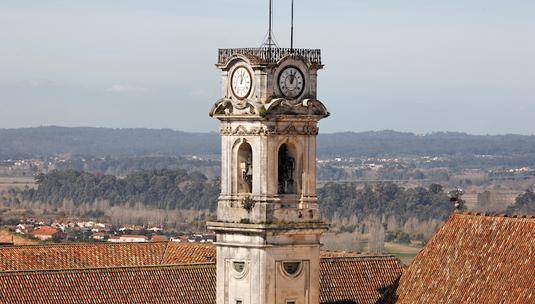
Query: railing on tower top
[{"x": 271, "y": 55}]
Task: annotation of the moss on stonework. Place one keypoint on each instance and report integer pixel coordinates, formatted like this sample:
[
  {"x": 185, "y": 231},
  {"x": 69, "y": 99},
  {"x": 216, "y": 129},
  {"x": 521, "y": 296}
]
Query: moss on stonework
[{"x": 263, "y": 112}]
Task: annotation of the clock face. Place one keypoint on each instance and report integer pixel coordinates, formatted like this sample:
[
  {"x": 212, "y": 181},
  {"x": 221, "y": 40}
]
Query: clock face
[
  {"x": 241, "y": 82},
  {"x": 291, "y": 82}
]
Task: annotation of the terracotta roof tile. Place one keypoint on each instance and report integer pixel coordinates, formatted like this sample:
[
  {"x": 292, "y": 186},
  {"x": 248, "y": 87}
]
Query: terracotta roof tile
[
  {"x": 92, "y": 255},
  {"x": 474, "y": 259},
  {"x": 159, "y": 238},
  {"x": 339, "y": 254},
  {"x": 180, "y": 253},
  {"x": 178, "y": 284},
  {"x": 44, "y": 230},
  {"x": 364, "y": 279}
]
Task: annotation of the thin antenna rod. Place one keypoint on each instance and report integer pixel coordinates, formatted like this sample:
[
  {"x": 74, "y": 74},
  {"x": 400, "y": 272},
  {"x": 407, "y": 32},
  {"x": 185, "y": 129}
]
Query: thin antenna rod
[
  {"x": 292, "y": 34},
  {"x": 270, "y": 38}
]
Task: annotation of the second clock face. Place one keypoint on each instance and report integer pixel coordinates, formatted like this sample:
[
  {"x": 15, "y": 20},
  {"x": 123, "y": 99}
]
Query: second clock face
[
  {"x": 291, "y": 82},
  {"x": 241, "y": 82}
]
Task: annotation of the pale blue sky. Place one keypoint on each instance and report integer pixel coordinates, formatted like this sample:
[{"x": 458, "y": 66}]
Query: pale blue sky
[{"x": 418, "y": 66}]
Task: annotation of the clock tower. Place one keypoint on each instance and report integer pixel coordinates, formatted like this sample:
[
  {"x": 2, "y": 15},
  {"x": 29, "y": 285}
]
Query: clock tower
[{"x": 268, "y": 221}]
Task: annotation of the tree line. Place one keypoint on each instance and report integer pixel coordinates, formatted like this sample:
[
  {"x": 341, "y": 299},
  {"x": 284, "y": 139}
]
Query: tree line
[
  {"x": 158, "y": 189},
  {"x": 182, "y": 190},
  {"x": 179, "y": 190},
  {"x": 524, "y": 204},
  {"x": 384, "y": 200},
  {"x": 120, "y": 166}
]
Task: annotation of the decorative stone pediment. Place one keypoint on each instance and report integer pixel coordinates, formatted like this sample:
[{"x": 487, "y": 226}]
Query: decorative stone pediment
[
  {"x": 278, "y": 107},
  {"x": 227, "y": 106},
  {"x": 308, "y": 107}
]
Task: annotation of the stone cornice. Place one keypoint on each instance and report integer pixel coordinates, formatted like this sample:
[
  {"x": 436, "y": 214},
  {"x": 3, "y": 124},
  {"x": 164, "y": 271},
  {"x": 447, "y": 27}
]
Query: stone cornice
[
  {"x": 291, "y": 228},
  {"x": 290, "y": 129}
]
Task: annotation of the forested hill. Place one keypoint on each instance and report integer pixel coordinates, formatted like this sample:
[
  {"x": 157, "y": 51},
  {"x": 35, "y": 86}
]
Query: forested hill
[
  {"x": 442, "y": 143},
  {"x": 50, "y": 141}
]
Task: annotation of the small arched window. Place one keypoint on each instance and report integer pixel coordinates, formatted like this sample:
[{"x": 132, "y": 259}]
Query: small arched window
[
  {"x": 245, "y": 168},
  {"x": 286, "y": 171}
]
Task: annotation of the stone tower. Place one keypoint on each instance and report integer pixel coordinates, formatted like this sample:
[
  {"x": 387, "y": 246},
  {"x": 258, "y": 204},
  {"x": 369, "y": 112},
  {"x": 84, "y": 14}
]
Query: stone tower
[{"x": 268, "y": 221}]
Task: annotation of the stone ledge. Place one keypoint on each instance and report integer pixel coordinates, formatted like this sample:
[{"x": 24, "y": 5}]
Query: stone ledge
[{"x": 261, "y": 228}]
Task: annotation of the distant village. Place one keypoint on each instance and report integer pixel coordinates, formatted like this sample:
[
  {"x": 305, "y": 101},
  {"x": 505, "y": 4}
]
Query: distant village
[
  {"x": 435, "y": 168},
  {"x": 76, "y": 230},
  {"x": 350, "y": 168}
]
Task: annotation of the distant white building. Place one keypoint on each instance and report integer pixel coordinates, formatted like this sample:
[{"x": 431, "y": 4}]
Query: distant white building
[
  {"x": 128, "y": 238},
  {"x": 155, "y": 229},
  {"x": 99, "y": 236}
]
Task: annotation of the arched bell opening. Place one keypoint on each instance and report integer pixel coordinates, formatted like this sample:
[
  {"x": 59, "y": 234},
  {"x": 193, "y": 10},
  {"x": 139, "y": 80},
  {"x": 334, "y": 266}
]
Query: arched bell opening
[
  {"x": 288, "y": 179},
  {"x": 245, "y": 169}
]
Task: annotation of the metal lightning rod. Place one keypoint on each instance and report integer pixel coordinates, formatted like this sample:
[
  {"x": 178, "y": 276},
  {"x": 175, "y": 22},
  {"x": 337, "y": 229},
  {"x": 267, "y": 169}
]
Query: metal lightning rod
[
  {"x": 269, "y": 43},
  {"x": 292, "y": 33},
  {"x": 270, "y": 30},
  {"x": 270, "y": 21}
]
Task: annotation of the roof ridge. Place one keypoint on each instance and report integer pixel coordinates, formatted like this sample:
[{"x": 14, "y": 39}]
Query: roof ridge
[
  {"x": 496, "y": 215},
  {"x": 81, "y": 244},
  {"x": 360, "y": 257},
  {"x": 164, "y": 255},
  {"x": 104, "y": 269}
]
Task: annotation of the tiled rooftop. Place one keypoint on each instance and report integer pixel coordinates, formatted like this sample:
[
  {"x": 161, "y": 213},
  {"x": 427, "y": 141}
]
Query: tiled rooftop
[
  {"x": 93, "y": 255},
  {"x": 98, "y": 255},
  {"x": 366, "y": 279},
  {"x": 341, "y": 282},
  {"x": 180, "y": 253},
  {"x": 178, "y": 284},
  {"x": 45, "y": 230},
  {"x": 474, "y": 259},
  {"x": 339, "y": 254}
]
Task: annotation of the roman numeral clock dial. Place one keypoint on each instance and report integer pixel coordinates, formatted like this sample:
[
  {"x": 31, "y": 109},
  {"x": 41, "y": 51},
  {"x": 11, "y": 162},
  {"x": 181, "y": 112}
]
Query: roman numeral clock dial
[
  {"x": 291, "y": 82},
  {"x": 241, "y": 83}
]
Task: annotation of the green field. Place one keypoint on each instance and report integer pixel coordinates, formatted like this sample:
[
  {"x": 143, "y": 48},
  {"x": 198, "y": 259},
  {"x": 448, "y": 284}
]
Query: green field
[
  {"x": 405, "y": 253},
  {"x": 16, "y": 182}
]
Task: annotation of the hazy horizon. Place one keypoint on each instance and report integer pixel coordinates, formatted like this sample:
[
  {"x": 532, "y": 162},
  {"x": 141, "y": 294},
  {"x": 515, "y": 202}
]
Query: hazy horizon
[
  {"x": 414, "y": 67},
  {"x": 217, "y": 132}
]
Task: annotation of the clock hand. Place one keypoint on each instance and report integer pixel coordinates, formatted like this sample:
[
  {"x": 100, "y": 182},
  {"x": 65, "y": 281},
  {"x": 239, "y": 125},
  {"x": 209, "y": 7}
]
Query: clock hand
[{"x": 293, "y": 73}]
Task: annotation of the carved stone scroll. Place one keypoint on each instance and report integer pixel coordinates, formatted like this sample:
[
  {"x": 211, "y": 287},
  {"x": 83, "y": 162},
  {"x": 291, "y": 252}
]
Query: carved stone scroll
[{"x": 290, "y": 129}]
